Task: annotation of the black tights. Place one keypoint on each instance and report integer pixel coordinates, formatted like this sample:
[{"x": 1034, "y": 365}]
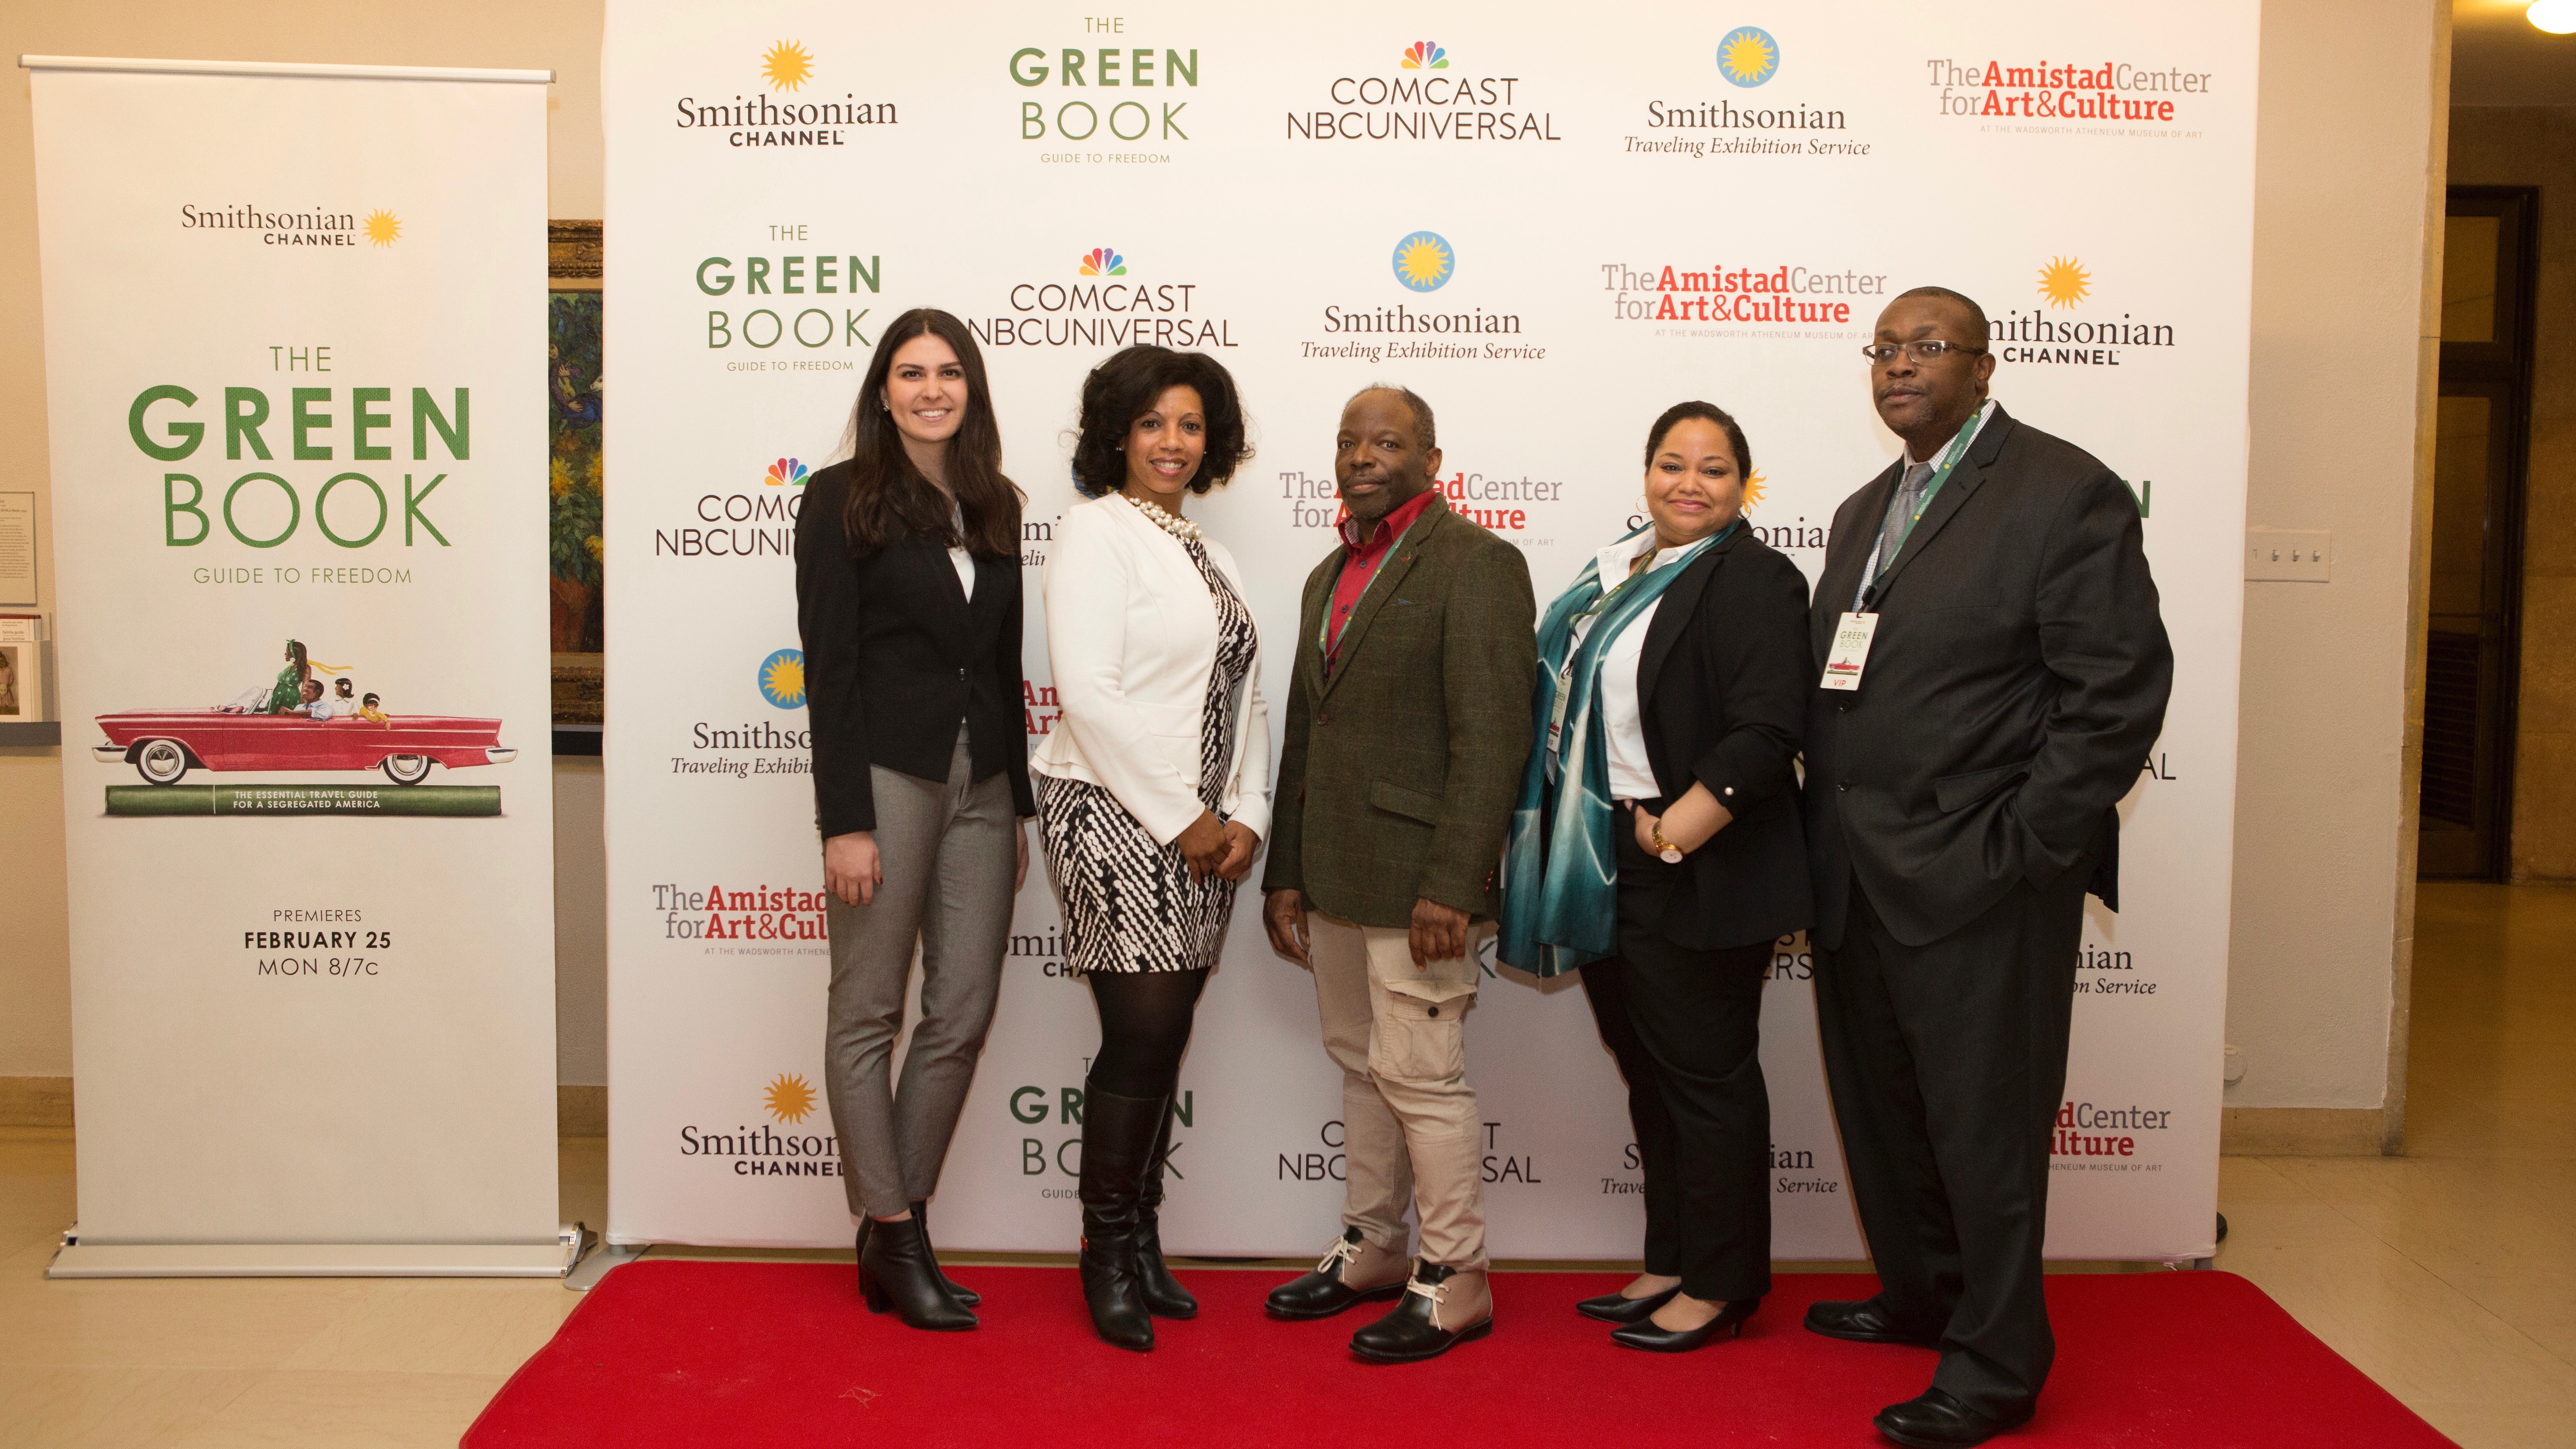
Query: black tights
[{"x": 1144, "y": 1028}]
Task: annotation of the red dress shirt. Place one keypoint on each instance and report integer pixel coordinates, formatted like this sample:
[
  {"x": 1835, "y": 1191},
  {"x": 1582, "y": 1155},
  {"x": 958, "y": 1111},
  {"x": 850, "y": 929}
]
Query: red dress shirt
[{"x": 1360, "y": 564}]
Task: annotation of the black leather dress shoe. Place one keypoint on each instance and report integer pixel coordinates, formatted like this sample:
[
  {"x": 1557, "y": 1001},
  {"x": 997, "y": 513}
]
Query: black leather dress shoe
[
  {"x": 1415, "y": 1330},
  {"x": 1322, "y": 1293},
  {"x": 1611, "y": 1308},
  {"x": 1861, "y": 1322},
  {"x": 1645, "y": 1334},
  {"x": 1938, "y": 1421}
]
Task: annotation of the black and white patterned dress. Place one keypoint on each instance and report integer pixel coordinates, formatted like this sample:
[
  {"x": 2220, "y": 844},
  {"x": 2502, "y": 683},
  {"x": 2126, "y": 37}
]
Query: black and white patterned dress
[{"x": 1129, "y": 903}]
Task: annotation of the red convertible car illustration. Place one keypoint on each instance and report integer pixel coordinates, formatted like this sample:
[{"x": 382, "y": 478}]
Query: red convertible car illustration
[{"x": 163, "y": 745}]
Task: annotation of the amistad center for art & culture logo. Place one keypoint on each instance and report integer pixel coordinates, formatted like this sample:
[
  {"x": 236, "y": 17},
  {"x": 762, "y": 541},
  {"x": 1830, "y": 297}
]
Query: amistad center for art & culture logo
[{"x": 759, "y": 120}]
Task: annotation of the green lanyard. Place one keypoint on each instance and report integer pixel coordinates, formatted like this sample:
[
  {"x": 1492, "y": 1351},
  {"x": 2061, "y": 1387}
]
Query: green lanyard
[
  {"x": 1324, "y": 631},
  {"x": 1881, "y": 560}
]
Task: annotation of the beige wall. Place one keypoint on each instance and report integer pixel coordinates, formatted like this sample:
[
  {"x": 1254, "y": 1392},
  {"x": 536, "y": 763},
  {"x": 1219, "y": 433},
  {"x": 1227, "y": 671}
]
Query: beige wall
[
  {"x": 2324, "y": 784},
  {"x": 2338, "y": 258},
  {"x": 2536, "y": 146}
]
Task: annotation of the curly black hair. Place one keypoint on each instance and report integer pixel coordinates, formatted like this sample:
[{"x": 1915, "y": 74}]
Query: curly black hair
[{"x": 1121, "y": 390}]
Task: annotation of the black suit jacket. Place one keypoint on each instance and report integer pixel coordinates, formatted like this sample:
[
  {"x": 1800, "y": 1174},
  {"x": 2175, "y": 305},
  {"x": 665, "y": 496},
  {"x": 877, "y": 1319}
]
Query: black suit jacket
[
  {"x": 2017, "y": 680},
  {"x": 1722, "y": 683},
  {"x": 896, "y": 655}
]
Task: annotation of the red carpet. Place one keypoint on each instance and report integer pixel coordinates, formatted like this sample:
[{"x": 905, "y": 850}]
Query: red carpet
[{"x": 703, "y": 1354}]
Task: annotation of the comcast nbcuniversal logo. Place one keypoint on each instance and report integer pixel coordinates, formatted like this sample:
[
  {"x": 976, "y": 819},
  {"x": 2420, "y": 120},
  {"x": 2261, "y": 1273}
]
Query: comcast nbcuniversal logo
[
  {"x": 1102, "y": 262},
  {"x": 1425, "y": 55}
]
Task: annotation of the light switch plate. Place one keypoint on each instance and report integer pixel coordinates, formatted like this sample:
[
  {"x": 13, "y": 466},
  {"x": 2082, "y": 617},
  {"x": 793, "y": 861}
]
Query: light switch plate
[{"x": 2289, "y": 555}]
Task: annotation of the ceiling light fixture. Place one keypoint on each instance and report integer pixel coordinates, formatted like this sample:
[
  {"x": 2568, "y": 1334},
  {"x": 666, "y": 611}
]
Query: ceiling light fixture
[{"x": 2558, "y": 17}]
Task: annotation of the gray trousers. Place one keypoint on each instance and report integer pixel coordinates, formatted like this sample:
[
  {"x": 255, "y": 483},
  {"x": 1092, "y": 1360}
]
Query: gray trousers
[{"x": 948, "y": 859}]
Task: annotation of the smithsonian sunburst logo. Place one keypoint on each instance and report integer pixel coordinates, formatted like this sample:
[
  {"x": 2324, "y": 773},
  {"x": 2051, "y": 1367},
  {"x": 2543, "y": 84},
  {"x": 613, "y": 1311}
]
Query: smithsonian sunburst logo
[{"x": 782, "y": 679}]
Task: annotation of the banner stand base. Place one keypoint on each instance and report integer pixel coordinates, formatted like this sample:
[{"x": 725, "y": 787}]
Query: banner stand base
[
  {"x": 77, "y": 1259},
  {"x": 607, "y": 1258}
]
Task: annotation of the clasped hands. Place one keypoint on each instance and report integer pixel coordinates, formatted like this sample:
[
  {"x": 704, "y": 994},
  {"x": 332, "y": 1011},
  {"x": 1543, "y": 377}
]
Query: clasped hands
[
  {"x": 1438, "y": 932},
  {"x": 1220, "y": 848}
]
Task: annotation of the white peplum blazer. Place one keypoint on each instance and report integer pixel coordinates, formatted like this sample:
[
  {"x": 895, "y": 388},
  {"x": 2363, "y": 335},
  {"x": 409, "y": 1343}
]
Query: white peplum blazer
[{"x": 1131, "y": 638}]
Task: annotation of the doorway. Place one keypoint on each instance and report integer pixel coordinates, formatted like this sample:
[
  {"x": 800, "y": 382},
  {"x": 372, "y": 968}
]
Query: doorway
[{"x": 2481, "y": 441}]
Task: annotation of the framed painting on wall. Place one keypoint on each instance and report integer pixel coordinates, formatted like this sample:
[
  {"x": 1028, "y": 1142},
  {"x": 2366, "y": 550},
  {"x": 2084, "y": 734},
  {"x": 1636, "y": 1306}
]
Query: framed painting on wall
[{"x": 574, "y": 483}]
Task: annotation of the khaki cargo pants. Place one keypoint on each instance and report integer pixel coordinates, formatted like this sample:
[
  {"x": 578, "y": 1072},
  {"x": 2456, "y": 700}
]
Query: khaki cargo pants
[{"x": 1409, "y": 1120}]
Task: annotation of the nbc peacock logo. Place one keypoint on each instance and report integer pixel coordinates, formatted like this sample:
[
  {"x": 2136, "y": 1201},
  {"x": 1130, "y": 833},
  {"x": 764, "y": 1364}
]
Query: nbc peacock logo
[
  {"x": 786, "y": 473},
  {"x": 782, "y": 679},
  {"x": 2064, "y": 282},
  {"x": 1425, "y": 261},
  {"x": 789, "y": 1099},
  {"x": 1748, "y": 56},
  {"x": 1425, "y": 55},
  {"x": 1102, "y": 262},
  {"x": 787, "y": 66}
]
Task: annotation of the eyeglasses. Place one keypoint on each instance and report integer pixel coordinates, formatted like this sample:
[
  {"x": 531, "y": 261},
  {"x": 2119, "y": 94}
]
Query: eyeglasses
[{"x": 1922, "y": 352}]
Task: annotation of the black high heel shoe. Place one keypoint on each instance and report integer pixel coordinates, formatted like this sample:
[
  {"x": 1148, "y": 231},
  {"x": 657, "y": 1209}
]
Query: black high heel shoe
[
  {"x": 956, "y": 1290},
  {"x": 1164, "y": 1295},
  {"x": 1611, "y": 1308},
  {"x": 896, "y": 1275},
  {"x": 1645, "y": 1335}
]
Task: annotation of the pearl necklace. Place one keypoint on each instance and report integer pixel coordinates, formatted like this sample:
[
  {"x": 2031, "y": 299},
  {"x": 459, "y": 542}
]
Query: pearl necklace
[{"x": 1171, "y": 523}]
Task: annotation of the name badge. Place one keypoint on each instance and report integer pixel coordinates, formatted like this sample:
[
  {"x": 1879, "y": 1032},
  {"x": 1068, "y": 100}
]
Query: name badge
[{"x": 1850, "y": 651}]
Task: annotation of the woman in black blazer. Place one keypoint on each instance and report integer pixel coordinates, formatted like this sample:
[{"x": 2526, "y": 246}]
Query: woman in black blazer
[
  {"x": 908, "y": 598},
  {"x": 1694, "y": 710}
]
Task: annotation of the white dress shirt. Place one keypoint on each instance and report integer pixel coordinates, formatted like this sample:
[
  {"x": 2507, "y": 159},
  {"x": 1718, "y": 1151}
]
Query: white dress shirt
[{"x": 1632, "y": 775}]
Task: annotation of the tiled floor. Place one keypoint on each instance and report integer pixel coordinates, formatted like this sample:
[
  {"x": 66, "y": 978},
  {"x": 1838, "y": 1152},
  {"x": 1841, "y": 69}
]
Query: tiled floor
[{"x": 2449, "y": 1275}]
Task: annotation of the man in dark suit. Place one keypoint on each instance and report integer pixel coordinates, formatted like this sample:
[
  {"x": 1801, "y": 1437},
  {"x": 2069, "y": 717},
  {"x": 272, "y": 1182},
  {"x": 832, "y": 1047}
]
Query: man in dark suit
[
  {"x": 1992, "y": 669},
  {"x": 1408, "y": 722}
]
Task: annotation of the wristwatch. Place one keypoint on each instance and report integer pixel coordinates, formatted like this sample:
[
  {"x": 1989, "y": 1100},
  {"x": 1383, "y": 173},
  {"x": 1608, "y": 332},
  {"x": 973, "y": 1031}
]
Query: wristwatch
[{"x": 1668, "y": 852}]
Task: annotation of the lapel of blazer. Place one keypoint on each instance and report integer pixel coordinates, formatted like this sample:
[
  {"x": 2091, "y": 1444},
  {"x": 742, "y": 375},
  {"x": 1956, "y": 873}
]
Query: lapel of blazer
[
  {"x": 1953, "y": 496},
  {"x": 1390, "y": 575},
  {"x": 1843, "y": 565},
  {"x": 1310, "y": 621},
  {"x": 1673, "y": 613}
]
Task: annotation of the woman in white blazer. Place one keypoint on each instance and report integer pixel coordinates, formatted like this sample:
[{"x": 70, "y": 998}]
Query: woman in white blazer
[{"x": 1154, "y": 786}]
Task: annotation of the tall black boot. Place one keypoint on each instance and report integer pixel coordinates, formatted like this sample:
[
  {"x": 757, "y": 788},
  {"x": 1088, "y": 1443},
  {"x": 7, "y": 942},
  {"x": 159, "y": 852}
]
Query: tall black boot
[
  {"x": 1117, "y": 1142},
  {"x": 1164, "y": 1294},
  {"x": 956, "y": 1290},
  {"x": 896, "y": 1273}
]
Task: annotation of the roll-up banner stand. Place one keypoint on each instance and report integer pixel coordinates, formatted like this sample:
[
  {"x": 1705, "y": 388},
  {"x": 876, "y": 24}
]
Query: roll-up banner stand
[
  {"x": 1552, "y": 223},
  {"x": 295, "y": 371}
]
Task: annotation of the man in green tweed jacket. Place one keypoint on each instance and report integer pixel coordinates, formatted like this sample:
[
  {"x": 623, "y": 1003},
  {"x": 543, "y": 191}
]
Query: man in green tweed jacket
[{"x": 1408, "y": 723}]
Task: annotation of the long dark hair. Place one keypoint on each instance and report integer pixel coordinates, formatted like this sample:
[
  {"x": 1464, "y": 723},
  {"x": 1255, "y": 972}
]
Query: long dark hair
[
  {"x": 1119, "y": 391},
  {"x": 889, "y": 497}
]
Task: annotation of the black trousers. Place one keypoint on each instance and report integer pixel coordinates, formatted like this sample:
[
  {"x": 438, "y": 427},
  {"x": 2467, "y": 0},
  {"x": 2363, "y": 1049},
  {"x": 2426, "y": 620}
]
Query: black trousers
[
  {"x": 1686, "y": 1028},
  {"x": 1946, "y": 1063}
]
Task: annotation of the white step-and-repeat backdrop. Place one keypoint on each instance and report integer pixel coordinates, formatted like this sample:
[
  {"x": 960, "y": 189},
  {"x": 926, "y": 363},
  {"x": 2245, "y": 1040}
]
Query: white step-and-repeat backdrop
[{"x": 1552, "y": 223}]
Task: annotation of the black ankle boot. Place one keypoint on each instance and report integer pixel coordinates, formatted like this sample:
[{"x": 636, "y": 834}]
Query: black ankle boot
[
  {"x": 1117, "y": 1142},
  {"x": 896, "y": 1273},
  {"x": 1164, "y": 1295},
  {"x": 959, "y": 1291}
]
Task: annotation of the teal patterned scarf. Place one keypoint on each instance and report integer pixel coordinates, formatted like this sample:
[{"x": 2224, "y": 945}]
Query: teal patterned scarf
[{"x": 1560, "y": 865}]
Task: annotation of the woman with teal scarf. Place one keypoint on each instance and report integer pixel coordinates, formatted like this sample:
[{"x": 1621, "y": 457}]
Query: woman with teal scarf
[{"x": 1657, "y": 848}]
